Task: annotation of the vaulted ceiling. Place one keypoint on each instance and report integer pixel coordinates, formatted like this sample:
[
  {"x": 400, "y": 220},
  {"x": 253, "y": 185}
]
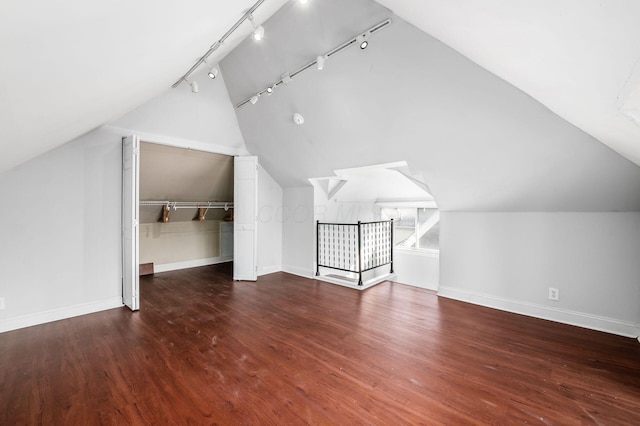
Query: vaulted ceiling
[{"x": 70, "y": 66}]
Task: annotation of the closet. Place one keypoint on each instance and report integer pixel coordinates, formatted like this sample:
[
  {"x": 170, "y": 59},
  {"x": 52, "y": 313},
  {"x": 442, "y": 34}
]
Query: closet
[{"x": 185, "y": 208}]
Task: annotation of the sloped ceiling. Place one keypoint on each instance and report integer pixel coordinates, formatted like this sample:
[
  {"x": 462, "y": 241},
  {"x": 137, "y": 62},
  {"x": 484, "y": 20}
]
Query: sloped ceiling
[
  {"x": 69, "y": 66},
  {"x": 580, "y": 58},
  {"x": 479, "y": 142}
]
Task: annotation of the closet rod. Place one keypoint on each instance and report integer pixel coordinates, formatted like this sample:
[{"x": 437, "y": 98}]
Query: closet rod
[{"x": 190, "y": 204}]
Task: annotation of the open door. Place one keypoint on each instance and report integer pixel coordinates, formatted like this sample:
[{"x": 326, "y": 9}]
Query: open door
[
  {"x": 130, "y": 215},
  {"x": 245, "y": 235}
]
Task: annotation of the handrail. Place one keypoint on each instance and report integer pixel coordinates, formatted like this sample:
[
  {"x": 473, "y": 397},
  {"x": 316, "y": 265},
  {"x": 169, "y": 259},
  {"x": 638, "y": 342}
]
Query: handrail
[{"x": 354, "y": 247}]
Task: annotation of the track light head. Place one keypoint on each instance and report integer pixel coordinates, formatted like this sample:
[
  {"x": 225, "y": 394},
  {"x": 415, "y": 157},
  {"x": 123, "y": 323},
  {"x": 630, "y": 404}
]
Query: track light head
[
  {"x": 286, "y": 78},
  {"x": 253, "y": 99},
  {"x": 194, "y": 87},
  {"x": 213, "y": 73},
  {"x": 258, "y": 33},
  {"x": 320, "y": 62},
  {"x": 270, "y": 89},
  {"x": 362, "y": 41}
]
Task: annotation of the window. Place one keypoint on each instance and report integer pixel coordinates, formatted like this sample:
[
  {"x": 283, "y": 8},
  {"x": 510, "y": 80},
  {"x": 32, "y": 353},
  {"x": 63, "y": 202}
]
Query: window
[{"x": 414, "y": 227}]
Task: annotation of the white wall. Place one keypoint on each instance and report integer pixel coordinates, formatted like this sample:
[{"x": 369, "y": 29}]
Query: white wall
[
  {"x": 509, "y": 260},
  {"x": 298, "y": 231},
  {"x": 204, "y": 120},
  {"x": 61, "y": 250},
  {"x": 269, "y": 224}
]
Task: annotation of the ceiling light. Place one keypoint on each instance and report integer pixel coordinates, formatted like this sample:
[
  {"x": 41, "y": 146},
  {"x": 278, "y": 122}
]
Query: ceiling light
[
  {"x": 213, "y": 73},
  {"x": 258, "y": 32},
  {"x": 362, "y": 41},
  {"x": 298, "y": 118},
  {"x": 320, "y": 62},
  {"x": 286, "y": 78},
  {"x": 253, "y": 99},
  {"x": 270, "y": 89},
  {"x": 194, "y": 86}
]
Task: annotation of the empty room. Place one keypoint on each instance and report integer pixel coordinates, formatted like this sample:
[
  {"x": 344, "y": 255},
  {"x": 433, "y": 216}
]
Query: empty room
[{"x": 320, "y": 212}]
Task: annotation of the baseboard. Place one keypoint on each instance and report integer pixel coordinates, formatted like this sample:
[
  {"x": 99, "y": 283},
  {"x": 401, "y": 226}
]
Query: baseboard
[
  {"x": 269, "y": 270},
  {"x": 301, "y": 272},
  {"x": 190, "y": 264},
  {"x": 580, "y": 319},
  {"x": 37, "y": 318}
]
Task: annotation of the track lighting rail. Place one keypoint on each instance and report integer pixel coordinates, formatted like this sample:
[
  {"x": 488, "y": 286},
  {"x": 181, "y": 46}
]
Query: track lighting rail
[
  {"x": 215, "y": 46},
  {"x": 288, "y": 76}
]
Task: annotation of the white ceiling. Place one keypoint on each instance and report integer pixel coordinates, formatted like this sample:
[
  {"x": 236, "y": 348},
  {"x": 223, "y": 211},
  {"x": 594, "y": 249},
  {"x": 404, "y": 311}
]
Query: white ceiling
[
  {"x": 69, "y": 66},
  {"x": 580, "y": 58}
]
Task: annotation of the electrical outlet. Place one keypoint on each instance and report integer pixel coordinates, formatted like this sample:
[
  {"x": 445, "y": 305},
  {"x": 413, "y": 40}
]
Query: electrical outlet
[
  {"x": 554, "y": 293},
  {"x": 1, "y": 303}
]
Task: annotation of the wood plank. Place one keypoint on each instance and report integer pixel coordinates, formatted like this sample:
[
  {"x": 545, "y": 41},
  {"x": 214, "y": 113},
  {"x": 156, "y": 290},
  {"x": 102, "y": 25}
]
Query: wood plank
[{"x": 204, "y": 349}]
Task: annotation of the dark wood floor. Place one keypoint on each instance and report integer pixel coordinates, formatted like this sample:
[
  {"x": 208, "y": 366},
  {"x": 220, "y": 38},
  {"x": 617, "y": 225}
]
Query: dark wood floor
[{"x": 206, "y": 350}]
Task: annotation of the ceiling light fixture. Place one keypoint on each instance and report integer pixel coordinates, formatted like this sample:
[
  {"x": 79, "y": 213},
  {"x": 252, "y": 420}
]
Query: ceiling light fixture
[
  {"x": 319, "y": 61},
  {"x": 215, "y": 46},
  {"x": 194, "y": 87},
  {"x": 298, "y": 118},
  {"x": 258, "y": 32},
  {"x": 253, "y": 99},
  {"x": 362, "y": 41},
  {"x": 213, "y": 72},
  {"x": 270, "y": 89}
]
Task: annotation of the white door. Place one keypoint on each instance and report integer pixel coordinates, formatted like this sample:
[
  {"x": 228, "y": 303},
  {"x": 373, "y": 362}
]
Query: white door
[
  {"x": 245, "y": 217},
  {"x": 130, "y": 241}
]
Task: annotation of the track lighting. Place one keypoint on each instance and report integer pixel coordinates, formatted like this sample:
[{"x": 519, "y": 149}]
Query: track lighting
[
  {"x": 258, "y": 32},
  {"x": 213, "y": 72},
  {"x": 320, "y": 62},
  {"x": 194, "y": 87},
  {"x": 362, "y": 41}
]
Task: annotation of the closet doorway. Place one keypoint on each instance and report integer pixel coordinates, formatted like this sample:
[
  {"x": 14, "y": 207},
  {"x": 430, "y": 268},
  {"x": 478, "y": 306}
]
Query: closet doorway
[{"x": 179, "y": 211}]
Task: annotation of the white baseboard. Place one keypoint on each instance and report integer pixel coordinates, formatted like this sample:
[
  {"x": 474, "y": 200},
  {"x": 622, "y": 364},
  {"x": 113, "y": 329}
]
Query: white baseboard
[
  {"x": 37, "y": 318},
  {"x": 580, "y": 319},
  {"x": 306, "y": 273},
  {"x": 190, "y": 264},
  {"x": 269, "y": 269}
]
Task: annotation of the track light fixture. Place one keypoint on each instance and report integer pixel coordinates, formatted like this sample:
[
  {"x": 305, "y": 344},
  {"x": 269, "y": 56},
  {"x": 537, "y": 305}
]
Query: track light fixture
[
  {"x": 215, "y": 46},
  {"x": 320, "y": 62},
  {"x": 362, "y": 41},
  {"x": 258, "y": 32},
  {"x": 213, "y": 72},
  {"x": 194, "y": 87}
]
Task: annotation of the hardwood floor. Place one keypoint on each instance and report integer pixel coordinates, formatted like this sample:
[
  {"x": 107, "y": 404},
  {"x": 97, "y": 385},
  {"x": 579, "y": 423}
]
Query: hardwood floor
[{"x": 206, "y": 350}]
